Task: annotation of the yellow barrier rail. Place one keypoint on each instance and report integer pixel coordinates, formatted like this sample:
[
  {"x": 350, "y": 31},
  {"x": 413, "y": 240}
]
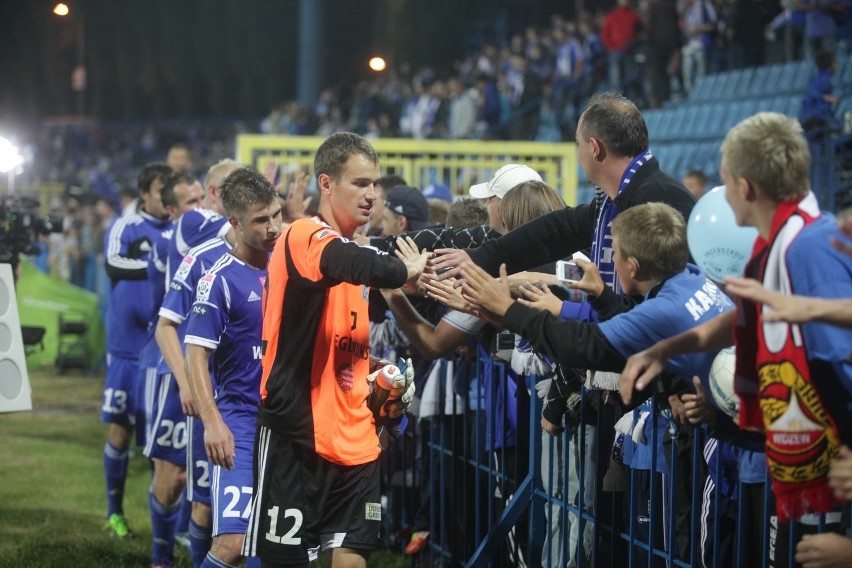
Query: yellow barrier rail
[{"x": 455, "y": 163}]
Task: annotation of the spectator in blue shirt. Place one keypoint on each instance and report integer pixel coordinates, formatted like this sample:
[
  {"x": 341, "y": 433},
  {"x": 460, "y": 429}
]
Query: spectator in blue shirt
[{"x": 817, "y": 113}]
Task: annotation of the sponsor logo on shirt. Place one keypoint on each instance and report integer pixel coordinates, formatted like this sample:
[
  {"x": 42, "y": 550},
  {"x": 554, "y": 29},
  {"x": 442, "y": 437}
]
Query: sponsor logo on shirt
[
  {"x": 253, "y": 297},
  {"x": 345, "y": 376},
  {"x": 204, "y": 286},
  {"x": 185, "y": 267},
  {"x": 200, "y": 310},
  {"x": 348, "y": 345}
]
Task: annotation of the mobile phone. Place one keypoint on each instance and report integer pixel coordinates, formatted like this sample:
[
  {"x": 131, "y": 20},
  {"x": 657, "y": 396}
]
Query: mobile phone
[
  {"x": 505, "y": 340},
  {"x": 568, "y": 271}
]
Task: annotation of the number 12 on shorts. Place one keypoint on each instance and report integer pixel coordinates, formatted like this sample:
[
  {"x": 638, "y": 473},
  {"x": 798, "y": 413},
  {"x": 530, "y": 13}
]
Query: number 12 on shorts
[{"x": 289, "y": 538}]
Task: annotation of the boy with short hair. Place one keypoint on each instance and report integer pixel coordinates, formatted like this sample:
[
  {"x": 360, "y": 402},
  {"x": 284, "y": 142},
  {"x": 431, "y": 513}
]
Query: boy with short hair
[
  {"x": 793, "y": 379},
  {"x": 651, "y": 260}
]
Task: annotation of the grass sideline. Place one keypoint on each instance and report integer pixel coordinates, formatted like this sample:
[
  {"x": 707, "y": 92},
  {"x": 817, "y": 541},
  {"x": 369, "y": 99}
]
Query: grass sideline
[{"x": 52, "y": 502}]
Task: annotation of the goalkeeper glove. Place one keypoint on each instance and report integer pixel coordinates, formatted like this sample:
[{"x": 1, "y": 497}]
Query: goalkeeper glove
[{"x": 392, "y": 389}]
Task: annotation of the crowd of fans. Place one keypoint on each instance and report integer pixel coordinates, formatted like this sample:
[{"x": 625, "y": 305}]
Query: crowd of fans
[{"x": 531, "y": 87}]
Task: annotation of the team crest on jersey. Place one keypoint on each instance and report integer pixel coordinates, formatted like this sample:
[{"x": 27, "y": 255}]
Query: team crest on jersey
[
  {"x": 185, "y": 267},
  {"x": 365, "y": 293},
  {"x": 204, "y": 287},
  {"x": 345, "y": 377}
]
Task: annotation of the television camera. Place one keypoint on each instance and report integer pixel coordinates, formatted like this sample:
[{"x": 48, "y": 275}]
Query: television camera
[{"x": 21, "y": 223}]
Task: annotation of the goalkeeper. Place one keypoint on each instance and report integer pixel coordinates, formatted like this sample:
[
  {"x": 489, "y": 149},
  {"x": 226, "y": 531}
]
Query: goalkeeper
[{"x": 316, "y": 486}]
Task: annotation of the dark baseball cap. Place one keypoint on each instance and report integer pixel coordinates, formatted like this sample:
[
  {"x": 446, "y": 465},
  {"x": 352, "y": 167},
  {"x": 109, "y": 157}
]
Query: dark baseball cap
[{"x": 408, "y": 201}]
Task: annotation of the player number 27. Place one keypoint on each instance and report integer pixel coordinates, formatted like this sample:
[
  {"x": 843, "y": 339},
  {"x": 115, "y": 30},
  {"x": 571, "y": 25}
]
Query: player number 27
[
  {"x": 272, "y": 534},
  {"x": 231, "y": 507}
]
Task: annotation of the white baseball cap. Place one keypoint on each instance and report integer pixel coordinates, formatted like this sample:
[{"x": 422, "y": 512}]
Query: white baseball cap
[{"x": 503, "y": 180}]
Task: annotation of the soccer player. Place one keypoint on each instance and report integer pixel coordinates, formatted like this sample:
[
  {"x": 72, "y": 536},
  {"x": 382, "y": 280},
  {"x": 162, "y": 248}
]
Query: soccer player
[
  {"x": 171, "y": 329},
  {"x": 127, "y": 249},
  {"x": 193, "y": 228},
  {"x": 225, "y": 322},
  {"x": 166, "y": 440},
  {"x": 316, "y": 473}
]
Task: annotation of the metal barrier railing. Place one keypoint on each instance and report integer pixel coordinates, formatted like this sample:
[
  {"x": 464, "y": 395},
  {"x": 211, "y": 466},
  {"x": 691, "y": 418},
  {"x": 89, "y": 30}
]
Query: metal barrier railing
[{"x": 488, "y": 499}]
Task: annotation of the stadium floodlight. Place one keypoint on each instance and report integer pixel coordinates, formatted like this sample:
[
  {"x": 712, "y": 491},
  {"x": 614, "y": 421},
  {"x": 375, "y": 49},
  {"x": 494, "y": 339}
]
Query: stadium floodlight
[
  {"x": 61, "y": 9},
  {"x": 10, "y": 157},
  {"x": 377, "y": 64}
]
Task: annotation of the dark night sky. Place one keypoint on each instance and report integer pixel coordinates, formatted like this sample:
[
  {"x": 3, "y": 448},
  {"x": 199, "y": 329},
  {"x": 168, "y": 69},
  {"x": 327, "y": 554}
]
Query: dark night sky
[{"x": 222, "y": 58}]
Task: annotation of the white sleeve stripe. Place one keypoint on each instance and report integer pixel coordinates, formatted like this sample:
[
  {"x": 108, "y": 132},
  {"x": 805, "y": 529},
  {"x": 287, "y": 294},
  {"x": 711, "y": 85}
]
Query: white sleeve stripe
[
  {"x": 113, "y": 255},
  {"x": 171, "y": 316},
  {"x": 202, "y": 341}
]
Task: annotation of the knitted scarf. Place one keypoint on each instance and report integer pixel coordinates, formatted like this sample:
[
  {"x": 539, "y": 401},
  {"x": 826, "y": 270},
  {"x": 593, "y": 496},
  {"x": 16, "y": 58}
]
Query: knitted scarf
[
  {"x": 774, "y": 383},
  {"x": 602, "y": 242},
  {"x": 602, "y": 253}
]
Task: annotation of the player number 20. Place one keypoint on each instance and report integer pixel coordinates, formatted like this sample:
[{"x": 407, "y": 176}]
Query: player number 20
[{"x": 174, "y": 435}]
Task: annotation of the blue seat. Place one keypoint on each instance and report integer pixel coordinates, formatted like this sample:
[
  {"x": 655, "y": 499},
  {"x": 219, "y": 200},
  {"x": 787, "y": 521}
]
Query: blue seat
[
  {"x": 717, "y": 120},
  {"x": 720, "y": 87},
  {"x": 793, "y": 106},
  {"x": 679, "y": 123},
  {"x": 795, "y": 76},
  {"x": 759, "y": 83},
  {"x": 698, "y": 125},
  {"x": 773, "y": 78},
  {"x": 702, "y": 89},
  {"x": 663, "y": 125},
  {"x": 652, "y": 123},
  {"x": 740, "y": 82},
  {"x": 802, "y": 77}
]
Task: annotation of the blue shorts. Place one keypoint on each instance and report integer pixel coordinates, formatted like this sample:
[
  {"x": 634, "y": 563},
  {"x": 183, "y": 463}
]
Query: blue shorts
[
  {"x": 197, "y": 465},
  {"x": 232, "y": 488},
  {"x": 145, "y": 390},
  {"x": 120, "y": 390},
  {"x": 167, "y": 436}
]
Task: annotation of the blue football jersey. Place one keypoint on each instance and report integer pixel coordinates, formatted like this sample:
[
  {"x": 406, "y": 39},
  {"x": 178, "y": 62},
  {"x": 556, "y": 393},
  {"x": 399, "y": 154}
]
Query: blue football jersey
[
  {"x": 127, "y": 249},
  {"x": 157, "y": 267},
  {"x": 194, "y": 228},
  {"x": 227, "y": 317},
  {"x": 181, "y": 292}
]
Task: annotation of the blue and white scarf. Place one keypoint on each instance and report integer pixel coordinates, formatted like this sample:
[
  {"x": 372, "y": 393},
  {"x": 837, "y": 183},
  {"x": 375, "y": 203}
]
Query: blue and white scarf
[{"x": 602, "y": 242}]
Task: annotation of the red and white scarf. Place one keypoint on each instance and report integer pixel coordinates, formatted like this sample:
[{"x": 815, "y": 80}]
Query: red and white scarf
[{"x": 774, "y": 383}]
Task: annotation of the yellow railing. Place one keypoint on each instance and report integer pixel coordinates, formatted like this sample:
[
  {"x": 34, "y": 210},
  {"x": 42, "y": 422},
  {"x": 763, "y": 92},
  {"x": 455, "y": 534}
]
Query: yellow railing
[{"x": 455, "y": 163}]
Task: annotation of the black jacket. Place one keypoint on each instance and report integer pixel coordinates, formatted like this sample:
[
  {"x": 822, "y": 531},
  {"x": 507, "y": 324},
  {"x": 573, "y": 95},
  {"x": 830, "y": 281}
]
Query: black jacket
[{"x": 559, "y": 234}]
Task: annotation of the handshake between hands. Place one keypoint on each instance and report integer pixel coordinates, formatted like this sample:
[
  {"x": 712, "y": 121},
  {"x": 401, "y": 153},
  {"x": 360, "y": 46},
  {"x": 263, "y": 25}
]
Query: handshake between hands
[{"x": 391, "y": 392}]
